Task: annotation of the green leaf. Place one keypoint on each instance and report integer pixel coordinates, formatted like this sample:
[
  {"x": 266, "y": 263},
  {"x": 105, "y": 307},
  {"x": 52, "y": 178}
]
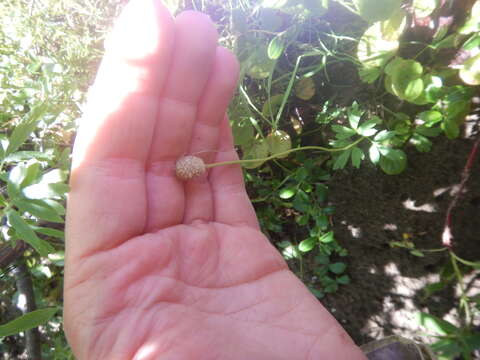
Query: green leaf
[
  {"x": 357, "y": 157},
  {"x": 366, "y": 129},
  {"x": 257, "y": 150},
  {"x": 259, "y": 65},
  {"x": 49, "y": 232},
  {"x": 374, "y": 154},
  {"x": 301, "y": 202},
  {"x": 275, "y": 47},
  {"x": 242, "y": 131},
  {"x": 322, "y": 259},
  {"x": 424, "y": 8},
  {"x": 25, "y": 232},
  {"x": 406, "y": 78},
  {"x": 28, "y": 321},
  {"x": 321, "y": 191},
  {"x": 32, "y": 174},
  {"x": 271, "y": 107},
  {"x": 354, "y": 115},
  {"x": 434, "y": 287},
  {"x": 369, "y": 74},
  {"x": 27, "y": 155},
  {"x": 23, "y": 130},
  {"x": 278, "y": 142},
  {"x": 430, "y": 117},
  {"x": 384, "y": 135},
  {"x": 342, "y": 159},
  {"x": 307, "y": 244},
  {"x": 374, "y": 10},
  {"x": 421, "y": 143},
  {"x": 435, "y": 324},
  {"x": 327, "y": 238},
  {"x": 287, "y": 193},
  {"x": 344, "y": 280},
  {"x": 337, "y": 268},
  {"x": 393, "y": 162},
  {"x": 451, "y": 128},
  {"x": 305, "y": 88},
  {"x": 38, "y": 208},
  {"x": 417, "y": 253},
  {"x": 381, "y": 41},
  {"x": 343, "y": 132},
  {"x": 470, "y": 73},
  {"x": 472, "y": 43}
]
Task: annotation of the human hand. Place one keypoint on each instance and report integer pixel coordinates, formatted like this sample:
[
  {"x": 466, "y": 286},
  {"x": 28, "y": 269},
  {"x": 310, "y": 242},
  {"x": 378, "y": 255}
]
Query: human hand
[{"x": 157, "y": 268}]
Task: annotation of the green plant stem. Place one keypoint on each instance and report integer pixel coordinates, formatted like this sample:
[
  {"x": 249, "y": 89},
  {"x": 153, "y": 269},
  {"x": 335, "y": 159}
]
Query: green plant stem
[
  {"x": 284, "y": 153},
  {"x": 432, "y": 250},
  {"x": 463, "y": 296}
]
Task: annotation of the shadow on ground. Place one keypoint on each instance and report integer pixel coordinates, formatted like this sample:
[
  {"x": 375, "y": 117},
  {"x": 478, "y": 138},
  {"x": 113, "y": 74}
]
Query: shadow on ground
[{"x": 374, "y": 209}]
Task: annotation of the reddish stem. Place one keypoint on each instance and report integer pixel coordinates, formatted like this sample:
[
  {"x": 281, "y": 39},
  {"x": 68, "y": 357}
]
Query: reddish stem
[{"x": 447, "y": 236}]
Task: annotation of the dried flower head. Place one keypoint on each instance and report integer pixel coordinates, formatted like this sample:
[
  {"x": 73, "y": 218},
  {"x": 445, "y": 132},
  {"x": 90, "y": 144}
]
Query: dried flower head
[{"x": 188, "y": 167}]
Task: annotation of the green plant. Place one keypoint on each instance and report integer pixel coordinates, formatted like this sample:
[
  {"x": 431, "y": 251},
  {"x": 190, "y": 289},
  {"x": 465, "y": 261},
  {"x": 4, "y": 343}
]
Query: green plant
[{"x": 48, "y": 53}]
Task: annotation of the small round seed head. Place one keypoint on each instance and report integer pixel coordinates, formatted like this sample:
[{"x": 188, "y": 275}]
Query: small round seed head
[{"x": 188, "y": 167}]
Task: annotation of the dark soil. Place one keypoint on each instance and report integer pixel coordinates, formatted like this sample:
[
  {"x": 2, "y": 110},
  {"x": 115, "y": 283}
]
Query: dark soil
[{"x": 374, "y": 209}]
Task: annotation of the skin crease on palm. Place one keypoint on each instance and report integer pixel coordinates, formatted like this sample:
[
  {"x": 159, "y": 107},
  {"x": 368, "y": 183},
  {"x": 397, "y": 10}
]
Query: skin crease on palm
[{"x": 157, "y": 268}]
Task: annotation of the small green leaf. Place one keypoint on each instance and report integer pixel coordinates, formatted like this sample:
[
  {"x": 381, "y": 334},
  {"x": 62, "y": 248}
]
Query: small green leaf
[
  {"x": 430, "y": 117},
  {"x": 451, "y": 128},
  {"x": 275, "y": 47},
  {"x": 424, "y": 8},
  {"x": 28, "y": 321},
  {"x": 373, "y": 10},
  {"x": 470, "y": 73},
  {"x": 384, "y": 135},
  {"x": 38, "y": 208},
  {"x": 26, "y": 233},
  {"x": 49, "y": 232},
  {"x": 327, "y": 238},
  {"x": 337, "y": 268},
  {"x": 278, "y": 142},
  {"x": 242, "y": 131},
  {"x": 354, "y": 115},
  {"x": 342, "y": 160},
  {"x": 366, "y": 129},
  {"x": 344, "y": 131},
  {"x": 307, "y": 244},
  {"x": 305, "y": 88},
  {"x": 394, "y": 162},
  {"x": 369, "y": 74},
  {"x": 23, "y": 130},
  {"x": 343, "y": 280},
  {"x": 357, "y": 157},
  {"x": 257, "y": 150},
  {"x": 417, "y": 253},
  {"x": 435, "y": 324},
  {"x": 322, "y": 259},
  {"x": 287, "y": 193},
  {"x": 374, "y": 154},
  {"x": 421, "y": 143},
  {"x": 301, "y": 202}
]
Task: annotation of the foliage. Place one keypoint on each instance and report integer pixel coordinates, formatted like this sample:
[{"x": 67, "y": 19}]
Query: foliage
[
  {"x": 290, "y": 105},
  {"x": 48, "y": 55}
]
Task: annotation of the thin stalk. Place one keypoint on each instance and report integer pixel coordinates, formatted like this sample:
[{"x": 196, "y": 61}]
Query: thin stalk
[
  {"x": 463, "y": 296},
  {"x": 284, "y": 153}
]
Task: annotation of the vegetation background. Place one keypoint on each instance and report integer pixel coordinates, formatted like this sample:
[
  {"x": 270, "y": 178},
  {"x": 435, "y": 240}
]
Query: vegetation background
[{"x": 368, "y": 111}]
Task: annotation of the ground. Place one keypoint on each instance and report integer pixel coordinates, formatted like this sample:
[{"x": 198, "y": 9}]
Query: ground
[{"x": 374, "y": 209}]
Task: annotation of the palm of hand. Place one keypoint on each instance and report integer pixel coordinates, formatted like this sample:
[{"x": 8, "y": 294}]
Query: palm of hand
[{"x": 156, "y": 268}]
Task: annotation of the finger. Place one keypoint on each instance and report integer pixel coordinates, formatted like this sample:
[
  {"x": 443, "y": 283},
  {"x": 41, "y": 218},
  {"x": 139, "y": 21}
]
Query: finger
[
  {"x": 108, "y": 174},
  {"x": 230, "y": 200},
  {"x": 211, "y": 110},
  {"x": 194, "y": 53}
]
